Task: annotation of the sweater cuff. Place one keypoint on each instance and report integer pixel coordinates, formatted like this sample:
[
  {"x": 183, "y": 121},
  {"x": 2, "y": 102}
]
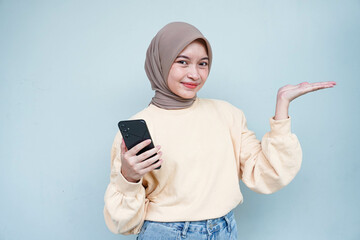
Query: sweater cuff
[
  {"x": 280, "y": 127},
  {"x": 127, "y": 188}
]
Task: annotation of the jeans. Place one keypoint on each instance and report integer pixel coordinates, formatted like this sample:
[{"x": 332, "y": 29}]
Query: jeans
[{"x": 223, "y": 228}]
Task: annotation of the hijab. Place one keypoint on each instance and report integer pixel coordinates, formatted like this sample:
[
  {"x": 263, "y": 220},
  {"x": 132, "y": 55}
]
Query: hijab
[{"x": 160, "y": 55}]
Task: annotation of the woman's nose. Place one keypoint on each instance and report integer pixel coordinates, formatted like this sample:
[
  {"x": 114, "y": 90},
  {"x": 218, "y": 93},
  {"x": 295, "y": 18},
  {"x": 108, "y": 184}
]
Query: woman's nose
[{"x": 193, "y": 73}]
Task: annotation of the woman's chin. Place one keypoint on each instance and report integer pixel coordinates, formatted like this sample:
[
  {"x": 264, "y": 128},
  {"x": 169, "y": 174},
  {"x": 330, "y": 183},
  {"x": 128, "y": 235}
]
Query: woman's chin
[{"x": 187, "y": 95}]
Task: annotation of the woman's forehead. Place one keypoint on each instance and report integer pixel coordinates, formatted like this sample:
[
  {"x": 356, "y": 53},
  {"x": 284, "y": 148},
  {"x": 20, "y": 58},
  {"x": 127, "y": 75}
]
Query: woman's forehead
[{"x": 195, "y": 48}]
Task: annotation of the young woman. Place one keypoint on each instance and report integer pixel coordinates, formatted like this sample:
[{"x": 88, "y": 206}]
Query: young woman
[{"x": 204, "y": 149}]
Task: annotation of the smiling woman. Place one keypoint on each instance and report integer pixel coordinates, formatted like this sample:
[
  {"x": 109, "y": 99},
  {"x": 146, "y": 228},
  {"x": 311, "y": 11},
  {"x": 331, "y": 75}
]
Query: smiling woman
[
  {"x": 190, "y": 70},
  {"x": 197, "y": 187}
]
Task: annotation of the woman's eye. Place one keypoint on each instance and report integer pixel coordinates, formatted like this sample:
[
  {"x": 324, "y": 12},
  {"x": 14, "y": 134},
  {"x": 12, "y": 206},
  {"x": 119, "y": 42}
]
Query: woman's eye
[
  {"x": 204, "y": 64},
  {"x": 181, "y": 62}
]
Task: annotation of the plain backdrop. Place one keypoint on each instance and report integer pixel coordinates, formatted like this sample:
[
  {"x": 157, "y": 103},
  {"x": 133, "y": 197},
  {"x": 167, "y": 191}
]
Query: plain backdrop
[{"x": 70, "y": 70}]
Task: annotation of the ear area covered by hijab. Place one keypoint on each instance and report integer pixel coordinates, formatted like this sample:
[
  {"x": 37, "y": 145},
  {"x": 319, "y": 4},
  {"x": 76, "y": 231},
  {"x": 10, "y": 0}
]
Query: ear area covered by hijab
[{"x": 161, "y": 53}]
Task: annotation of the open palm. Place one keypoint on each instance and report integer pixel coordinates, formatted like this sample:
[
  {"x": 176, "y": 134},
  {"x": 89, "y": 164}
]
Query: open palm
[{"x": 290, "y": 92}]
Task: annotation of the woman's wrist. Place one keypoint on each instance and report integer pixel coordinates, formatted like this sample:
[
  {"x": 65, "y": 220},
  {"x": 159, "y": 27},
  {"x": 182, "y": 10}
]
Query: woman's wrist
[
  {"x": 129, "y": 179},
  {"x": 282, "y": 109}
]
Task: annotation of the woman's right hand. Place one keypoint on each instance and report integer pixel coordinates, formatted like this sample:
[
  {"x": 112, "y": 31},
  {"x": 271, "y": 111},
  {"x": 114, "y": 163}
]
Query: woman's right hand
[{"x": 133, "y": 167}]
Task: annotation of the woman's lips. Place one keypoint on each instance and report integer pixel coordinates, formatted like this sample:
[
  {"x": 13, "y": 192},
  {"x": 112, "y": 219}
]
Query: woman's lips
[{"x": 190, "y": 85}]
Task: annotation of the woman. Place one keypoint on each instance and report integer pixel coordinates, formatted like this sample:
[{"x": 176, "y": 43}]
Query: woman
[{"x": 206, "y": 149}]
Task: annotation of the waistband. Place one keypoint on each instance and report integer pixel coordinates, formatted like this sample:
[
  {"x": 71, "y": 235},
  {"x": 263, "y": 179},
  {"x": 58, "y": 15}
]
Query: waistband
[{"x": 205, "y": 226}]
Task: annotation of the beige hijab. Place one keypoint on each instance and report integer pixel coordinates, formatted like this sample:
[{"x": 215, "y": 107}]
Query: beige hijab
[{"x": 162, "y": 51}]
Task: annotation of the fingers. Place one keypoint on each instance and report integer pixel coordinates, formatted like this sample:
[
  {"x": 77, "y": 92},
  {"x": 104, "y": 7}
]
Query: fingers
[
  {"x": 320, "y": 84},
  {"x": 306, "y": 86},
  {"x": 148, "y": 153},
  {"x": 149, "y": 162},
  {"x": 310, "y": 87},
  {"x": 152, "y": 165},
  {"x": 328, "y": 82},
  {"x": 135, "y": 159},
  {"x": 133, "y": 151},
  {"x": 123, "y": 147},
  {"x": 143, "y": 167},
  {"x": 291, "y": 92},
  {"x": 135, "y": 166}
]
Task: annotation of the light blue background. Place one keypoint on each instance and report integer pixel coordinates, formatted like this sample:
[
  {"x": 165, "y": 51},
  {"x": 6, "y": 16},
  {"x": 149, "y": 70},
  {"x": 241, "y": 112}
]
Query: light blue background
[{"x": 70, "y": 70}]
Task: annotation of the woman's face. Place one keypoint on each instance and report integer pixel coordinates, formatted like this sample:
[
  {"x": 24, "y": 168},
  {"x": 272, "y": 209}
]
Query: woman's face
[{"x": 189, "y": 71}]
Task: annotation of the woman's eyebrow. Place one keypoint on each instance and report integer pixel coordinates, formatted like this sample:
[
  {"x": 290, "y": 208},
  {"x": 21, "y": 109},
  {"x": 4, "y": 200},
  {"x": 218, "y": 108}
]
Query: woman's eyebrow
[
  {"x": 183, "y": 56},
  {"x": 186, "y": 57}
]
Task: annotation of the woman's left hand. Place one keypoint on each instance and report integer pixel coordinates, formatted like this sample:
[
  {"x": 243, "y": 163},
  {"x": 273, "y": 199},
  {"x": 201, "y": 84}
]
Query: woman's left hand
[{"x": 289, "y": 92}]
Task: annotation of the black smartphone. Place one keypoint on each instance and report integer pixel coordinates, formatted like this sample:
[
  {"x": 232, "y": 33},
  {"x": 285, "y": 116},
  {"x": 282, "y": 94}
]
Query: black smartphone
[{"x": 134, "y": 132}]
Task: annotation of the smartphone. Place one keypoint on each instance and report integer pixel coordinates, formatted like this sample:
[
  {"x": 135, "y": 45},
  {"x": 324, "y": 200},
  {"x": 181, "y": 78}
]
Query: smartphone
[{"x": 134, "y": 132}]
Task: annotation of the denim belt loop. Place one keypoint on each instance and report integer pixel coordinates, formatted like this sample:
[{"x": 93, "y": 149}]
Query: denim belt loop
[
  {"x": 208, "y": 226},
  {"x": 185, "y": 229},
  {"x": 228, "y": 223}
]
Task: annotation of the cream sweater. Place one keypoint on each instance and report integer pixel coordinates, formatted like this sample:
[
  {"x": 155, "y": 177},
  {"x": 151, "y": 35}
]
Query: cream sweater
[{"x": 207, "y": 149}]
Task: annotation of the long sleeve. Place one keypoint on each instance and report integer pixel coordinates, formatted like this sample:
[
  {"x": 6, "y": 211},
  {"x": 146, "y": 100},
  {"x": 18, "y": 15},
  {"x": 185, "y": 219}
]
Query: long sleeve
[
  {"x": 271, "y": 164},
  {"x": 125, "y": 202},
  {"x": 202, "y": 181}
]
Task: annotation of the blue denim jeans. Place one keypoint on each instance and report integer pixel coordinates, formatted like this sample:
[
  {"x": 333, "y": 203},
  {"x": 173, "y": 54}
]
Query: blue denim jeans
[{"x": 223, "y": 228}]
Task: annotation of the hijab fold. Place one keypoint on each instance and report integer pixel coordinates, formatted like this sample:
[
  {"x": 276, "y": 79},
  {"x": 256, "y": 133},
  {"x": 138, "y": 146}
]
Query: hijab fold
[{"x": 160, "y": 55}]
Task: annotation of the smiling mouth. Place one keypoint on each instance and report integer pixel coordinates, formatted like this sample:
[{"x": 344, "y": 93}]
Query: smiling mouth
[{"x": 190, "y": 85}]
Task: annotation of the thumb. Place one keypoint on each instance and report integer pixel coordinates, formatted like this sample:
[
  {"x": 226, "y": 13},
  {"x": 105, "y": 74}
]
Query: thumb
[{"x": 123, "y": 147}]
